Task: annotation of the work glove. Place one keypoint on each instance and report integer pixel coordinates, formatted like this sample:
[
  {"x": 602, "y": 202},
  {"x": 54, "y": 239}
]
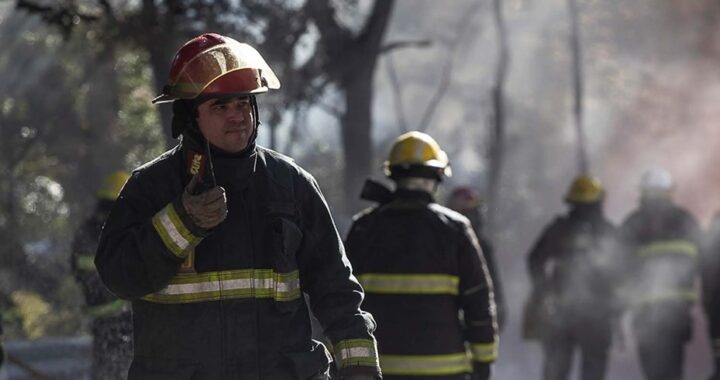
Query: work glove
[
  {"x": 205, "y": 207},
  {"x": 481, "y": 371},
  {"x": 359, "y": 373}
]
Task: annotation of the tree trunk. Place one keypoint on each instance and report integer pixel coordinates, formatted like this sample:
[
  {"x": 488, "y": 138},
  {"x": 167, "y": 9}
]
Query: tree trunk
[
  {"x": 356, "y": 133},
  {"x": 497, "y": 147}
]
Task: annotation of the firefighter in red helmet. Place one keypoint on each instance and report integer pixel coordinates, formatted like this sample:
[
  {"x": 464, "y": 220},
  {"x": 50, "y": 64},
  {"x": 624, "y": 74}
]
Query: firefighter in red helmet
[
  {"x": 216, "y": 241},
  {"x": 421, "y": 267},
  {"x": 468, "y": 202}
]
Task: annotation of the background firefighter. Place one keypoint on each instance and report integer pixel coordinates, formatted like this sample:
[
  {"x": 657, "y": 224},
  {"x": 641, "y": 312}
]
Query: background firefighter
[
  {"x": 111, "y": 317},
  {"x": 572, "y": 304},
  {"x": 711, "y": 288},
  {"x": 468, "y": 202},
  {"x": 420, "y": 265},
  {"x": 216, "y": 240},
  {"x": 661, "y": 243}
]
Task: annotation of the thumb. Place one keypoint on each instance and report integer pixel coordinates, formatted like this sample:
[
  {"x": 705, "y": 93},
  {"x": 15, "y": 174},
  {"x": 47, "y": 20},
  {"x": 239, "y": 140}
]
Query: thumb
[{"x": 194, "y": 186}]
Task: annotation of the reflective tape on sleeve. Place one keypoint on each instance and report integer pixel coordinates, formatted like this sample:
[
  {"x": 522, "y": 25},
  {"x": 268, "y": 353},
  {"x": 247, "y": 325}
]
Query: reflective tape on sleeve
[
  {"x": 426, "y": 365},
  {"x": 356, "y": 352},
  {"x": 669, "y": 247},
  {"x": 86, "y": 262},
  {"x": 484, "y": 352},
  {"x": 215, "y": 286},
  {"x": 409, "y": 283},
  {"x": 175, "y": 235}
]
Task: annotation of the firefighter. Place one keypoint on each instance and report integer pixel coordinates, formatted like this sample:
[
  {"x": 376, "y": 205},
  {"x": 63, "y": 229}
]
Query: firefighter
[
  {"x": 468, "y": 202},
  {"x": 2, "y": 350},
  {"x": 420, "y": 265},
  {"x": 216, "y": 241},
  {"x": 111, "y": 318},
  {"x": 711, "y": 288},
  {"x": 573, "y": 293},
  {"x": 661, "y": 240}
]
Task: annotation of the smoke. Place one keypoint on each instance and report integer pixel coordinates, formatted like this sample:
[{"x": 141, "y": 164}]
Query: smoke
[{"x": 652, "y": 88}]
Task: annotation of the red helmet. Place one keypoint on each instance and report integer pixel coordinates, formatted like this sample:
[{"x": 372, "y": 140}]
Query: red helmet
[
  {"x": 464, "y": 198},
  {"x": 212, "y": 64}
]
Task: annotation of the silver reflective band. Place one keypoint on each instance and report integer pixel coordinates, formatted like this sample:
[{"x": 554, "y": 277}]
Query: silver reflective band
[
  {"x": 174, "y": 234},
  {"x": 255, "y": 283},
  {"x": 242, "y": 283},
  {"x": 355, "y": 352}
]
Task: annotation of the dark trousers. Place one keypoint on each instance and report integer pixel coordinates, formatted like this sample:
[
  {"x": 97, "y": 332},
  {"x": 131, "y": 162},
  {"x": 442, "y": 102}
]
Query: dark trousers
[
  {"x": 661, "y": 335},
  {"x": 112, "y": 346},
  {"x": 591, "y": 340}
]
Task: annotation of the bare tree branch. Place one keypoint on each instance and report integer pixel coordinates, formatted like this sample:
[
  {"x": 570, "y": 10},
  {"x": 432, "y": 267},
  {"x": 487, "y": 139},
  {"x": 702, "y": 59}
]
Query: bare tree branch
[
  {"x": 448, "y": 67},
  {"x": 397, "y": 94},
  {"x": 583, "y": 164}
]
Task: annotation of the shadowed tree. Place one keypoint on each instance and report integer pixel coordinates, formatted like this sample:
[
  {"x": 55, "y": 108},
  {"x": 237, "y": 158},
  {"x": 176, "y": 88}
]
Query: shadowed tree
[{"x": 350, "y": 62}]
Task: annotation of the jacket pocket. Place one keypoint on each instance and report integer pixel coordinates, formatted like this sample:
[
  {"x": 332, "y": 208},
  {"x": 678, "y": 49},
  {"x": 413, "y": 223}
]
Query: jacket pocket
[
  {"x": 284, "y": 244},
  {"x": 286, "y": 237}
]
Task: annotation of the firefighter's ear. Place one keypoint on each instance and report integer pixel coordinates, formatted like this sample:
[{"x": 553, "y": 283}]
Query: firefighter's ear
[{"x": 182, "y": 117}]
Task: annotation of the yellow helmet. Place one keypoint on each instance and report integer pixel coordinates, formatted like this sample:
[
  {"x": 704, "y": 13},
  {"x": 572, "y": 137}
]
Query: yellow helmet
[
  {"x": 112, "y": 184},
  {"x": 417, "y": 150},
  {"x": 585, "y": 189}
]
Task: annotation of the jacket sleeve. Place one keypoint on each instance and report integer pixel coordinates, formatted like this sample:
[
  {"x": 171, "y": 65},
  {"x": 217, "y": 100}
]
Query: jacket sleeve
[
  {"x": 144, "y": 241},
  {"x": 710, "y": 280},
  {"x": 541, "y": 253},
  {"x": 489, "y": 255},
  {"x": 477, "y": 298},
  {"x": 335, "y": 295}
]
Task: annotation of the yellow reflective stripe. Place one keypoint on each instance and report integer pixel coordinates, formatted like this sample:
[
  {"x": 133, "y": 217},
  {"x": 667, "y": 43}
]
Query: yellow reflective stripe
[
  {"x": 677, "y": 295},
  {"x": 174, "y": 234},
  {"x": 425, "y": 365},
  {"x": 86, "y": 263},
  {"x": 409, "y": 283},
  {"x": 106, "y": 309},
  {"x": 243, "y": 283},
  {"x": 672, "y": 247},
  {"x": 484, "y": 352},
  {"x": 356, "y": 352}
]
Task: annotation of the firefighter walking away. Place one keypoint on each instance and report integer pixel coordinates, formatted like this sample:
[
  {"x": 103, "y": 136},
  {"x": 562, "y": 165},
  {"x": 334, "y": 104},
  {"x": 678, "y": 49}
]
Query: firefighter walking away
[
  {"x": 421, "y": 266},
  {"x": 661, "y": 243},
  {"x": 572, "y": 303}
]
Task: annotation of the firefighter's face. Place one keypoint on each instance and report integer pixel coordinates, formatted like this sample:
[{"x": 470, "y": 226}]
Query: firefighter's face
[{"x": 227, "y": 123}]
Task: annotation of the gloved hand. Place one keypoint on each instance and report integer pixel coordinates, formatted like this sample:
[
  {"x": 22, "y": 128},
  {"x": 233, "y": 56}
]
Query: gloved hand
[
  {"x": 481, "y": 371},
  {"x": 206, "y": 209}
]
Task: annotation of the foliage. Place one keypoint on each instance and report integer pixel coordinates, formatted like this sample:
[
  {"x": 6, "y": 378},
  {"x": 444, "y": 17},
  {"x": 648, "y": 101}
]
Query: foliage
[{"x": 54, "y": 148}]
